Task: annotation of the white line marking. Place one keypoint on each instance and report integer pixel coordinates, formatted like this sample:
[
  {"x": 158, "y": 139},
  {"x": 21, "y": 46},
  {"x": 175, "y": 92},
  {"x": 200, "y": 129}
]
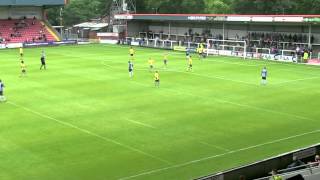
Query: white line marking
[
  {"x": 265, "y": 63},
  {"x": 90, "y": 133},
  {"x": 214, "y": 77},
  {"x": 140, "y": 123},
  {"x": 233, "y": 103},
  {"x": 240, "y": 64},
  {"x": 215, "y": 146},
  {"x": 296, "y": 80},
  {"x": 184, "y": 72},
  {"x": 218, "y": 155}
]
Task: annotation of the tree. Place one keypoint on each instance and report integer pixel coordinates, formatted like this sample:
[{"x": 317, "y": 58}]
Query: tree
[
  {"x": 78, "y": 11},
  {"x": 82, "y": 10},
  {"x": 218, "y": 6}
]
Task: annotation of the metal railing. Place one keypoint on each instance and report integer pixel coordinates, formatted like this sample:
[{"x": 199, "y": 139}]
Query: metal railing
[{"x": 305, "y": 169}]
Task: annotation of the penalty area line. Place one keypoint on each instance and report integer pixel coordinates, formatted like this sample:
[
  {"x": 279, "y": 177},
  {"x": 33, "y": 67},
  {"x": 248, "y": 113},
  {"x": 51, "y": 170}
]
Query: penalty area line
[
  {"x": 90, "y": 133},
  {"x": 296, "y": 80}
]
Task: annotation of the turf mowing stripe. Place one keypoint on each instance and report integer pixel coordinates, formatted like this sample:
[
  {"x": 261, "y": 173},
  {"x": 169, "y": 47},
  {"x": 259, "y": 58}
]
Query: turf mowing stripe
[
  {"x": 219, "y": 155},
  {"x": 90, "y": 133},
  {"x": 221, "y": 100},
  {"x": 233, "y": 103},
  {"x": 189, "y": 73},
  {"x": 264, "y": 64}
]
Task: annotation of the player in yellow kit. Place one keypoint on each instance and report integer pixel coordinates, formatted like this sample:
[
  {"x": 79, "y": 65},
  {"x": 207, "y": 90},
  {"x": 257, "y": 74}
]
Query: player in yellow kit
[
  {"x": 151, "y": 64},
  {"x": 190, "y": 63},
  {"x": 23, "y": 69},
  {"x": 165, "y": 60},
  {"x": 131, "y": 52},
  {"x": 21, "y": 51},
  {"x": 156, "y": 79}
]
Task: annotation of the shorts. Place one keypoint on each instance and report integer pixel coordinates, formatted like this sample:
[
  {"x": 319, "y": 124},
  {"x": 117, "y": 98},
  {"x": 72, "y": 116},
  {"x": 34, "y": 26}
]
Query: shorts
[
  {"x": 157, "y": 81},
  {"x": 1, "y": 93},
  {"x": 130, "y": 70},
  {"x": 151, "y": 66},
  {"x": 264, "y": 78},
  {"x": 131, "y": 54},
  {"x": 23, "y": 71},
  {"x": 165, "y": 61},
  {"x": 43, "y": 62},
  {"x": 21, "y": 54}
]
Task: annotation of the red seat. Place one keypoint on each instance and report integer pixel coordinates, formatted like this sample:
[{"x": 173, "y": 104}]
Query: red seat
[{"x": 27, "y": 33}]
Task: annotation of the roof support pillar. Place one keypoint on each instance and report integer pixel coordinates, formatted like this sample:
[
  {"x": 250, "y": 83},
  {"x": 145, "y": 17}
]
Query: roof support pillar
[{"x": 309, "y": 36}]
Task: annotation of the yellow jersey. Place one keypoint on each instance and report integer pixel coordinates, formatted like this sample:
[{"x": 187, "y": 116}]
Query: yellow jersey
[
  {"x": 165, "y": 57},
  {"x": 190, "y": 61},
  {"x": 131, "y": 51},
  {"x": 201, "y": 46},
  {"x": 305, "y": 55},
  {"x": 151, "y": 62},
  {"x": 23, "y": 66},
  {"x": 156, "y": 76},
  {"x": 21, "y": 50}
]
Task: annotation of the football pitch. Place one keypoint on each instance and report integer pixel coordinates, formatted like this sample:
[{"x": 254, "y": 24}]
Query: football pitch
[{"x": 84, "y": 118}]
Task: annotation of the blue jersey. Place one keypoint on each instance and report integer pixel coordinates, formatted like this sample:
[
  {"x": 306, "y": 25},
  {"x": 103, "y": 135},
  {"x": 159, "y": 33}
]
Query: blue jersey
[
  {"x": 188, "y": 52},
  {"x": 264, "y": 73},
  {"x": 1, "y": 87}
]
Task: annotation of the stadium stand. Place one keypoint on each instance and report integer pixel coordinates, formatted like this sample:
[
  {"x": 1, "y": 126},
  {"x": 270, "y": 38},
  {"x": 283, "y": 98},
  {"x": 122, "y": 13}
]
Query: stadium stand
[
  {"x": 306, "y": 172},
  {"x": 302, "y": 162},
  {"x": 25, "y": 30},
  {"x": 273, "y": 37},
  {"x": 25, "y": 22}
]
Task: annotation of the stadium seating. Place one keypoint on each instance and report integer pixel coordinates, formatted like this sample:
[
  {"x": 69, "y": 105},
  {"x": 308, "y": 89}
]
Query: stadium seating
[
  {"x": 25, "y": 30},
  {"x": 309, "y": 173}
]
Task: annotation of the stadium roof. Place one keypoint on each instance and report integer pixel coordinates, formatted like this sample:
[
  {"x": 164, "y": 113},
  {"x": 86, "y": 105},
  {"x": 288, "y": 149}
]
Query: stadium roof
[
  {"x": 32, "y": 2},
  {"x": 91, "y": 25},
  {"x": 221, "y": 17}
]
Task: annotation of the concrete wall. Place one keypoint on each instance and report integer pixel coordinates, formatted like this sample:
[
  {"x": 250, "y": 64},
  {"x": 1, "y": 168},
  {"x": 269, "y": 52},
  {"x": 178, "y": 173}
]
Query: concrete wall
[{"x": 17, "y": 12}]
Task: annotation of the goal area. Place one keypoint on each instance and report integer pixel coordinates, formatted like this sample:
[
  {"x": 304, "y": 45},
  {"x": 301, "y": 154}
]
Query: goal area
[{"x": 227, "y": 48}]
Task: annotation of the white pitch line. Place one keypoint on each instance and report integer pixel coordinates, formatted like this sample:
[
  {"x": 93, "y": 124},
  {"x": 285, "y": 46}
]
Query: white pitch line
[
  {"x": 191, "y": 73},
  {"x": 233, "y": 103},
  {"x": 240, "y": 64},
  {"x": 90, "y": 133},
  {"x": 215, "y": 77},
  {"x": 215, "y": 146},
  {"x": 218, "y": 155},
  {"x": 296, "y": 80},
  {"x": 140, "y": 123},
  {"x": 268, "y": 63}
]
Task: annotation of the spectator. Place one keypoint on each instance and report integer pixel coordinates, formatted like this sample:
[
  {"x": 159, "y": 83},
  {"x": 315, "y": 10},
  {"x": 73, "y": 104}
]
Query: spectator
[
  {"x": 34, "y": 20},
  {"x": 316, "y": 161},
  {"x": 242, "y": 177},
  {"x": 275, "y": 176}
]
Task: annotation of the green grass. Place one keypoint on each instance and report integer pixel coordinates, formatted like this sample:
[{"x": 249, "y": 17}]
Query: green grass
[{"x": 84, "y": 118}]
